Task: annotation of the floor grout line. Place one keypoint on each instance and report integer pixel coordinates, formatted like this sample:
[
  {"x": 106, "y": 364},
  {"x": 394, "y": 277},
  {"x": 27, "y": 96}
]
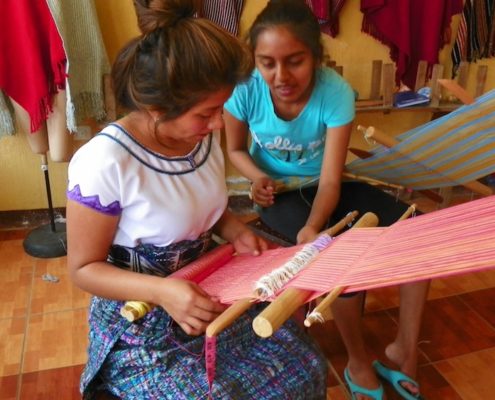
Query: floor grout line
[{"x": 26, "y": 331}]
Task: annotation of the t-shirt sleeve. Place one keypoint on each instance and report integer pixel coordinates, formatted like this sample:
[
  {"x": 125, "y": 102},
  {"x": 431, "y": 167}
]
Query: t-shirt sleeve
[
  {"x": 340, "y": 105},
  {"x": 94, "y": 178},
  {"x": 237, "y": 103}
]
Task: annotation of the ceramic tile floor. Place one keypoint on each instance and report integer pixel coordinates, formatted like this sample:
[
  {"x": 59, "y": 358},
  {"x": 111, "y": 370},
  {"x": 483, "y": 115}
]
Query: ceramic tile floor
[{"x": 43, "y": 331}]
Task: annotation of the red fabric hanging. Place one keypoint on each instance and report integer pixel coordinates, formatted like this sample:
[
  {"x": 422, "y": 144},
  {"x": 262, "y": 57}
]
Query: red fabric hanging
[
  {"x": 327, "y": 12},
  {"x": 33, "y": 62},
  {"x": 414, "y": 30}
]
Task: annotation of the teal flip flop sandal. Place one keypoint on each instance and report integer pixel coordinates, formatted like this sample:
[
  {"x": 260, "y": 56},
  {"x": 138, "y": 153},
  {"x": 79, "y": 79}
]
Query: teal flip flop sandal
[
  {"x": 395, "y": 378},
  {"x": 375, "y": 394}
]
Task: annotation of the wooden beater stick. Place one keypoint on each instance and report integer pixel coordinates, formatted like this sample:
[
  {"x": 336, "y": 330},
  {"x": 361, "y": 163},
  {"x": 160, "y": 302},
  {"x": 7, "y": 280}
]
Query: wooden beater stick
[
  {"x": 273, "y": 316},
  {"x": 317, "y": 315},
  {"x": 228, "y": 317}
]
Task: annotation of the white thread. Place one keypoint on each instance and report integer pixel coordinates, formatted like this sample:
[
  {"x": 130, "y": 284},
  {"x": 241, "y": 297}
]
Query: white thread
[{"x": 270, "y": 283}]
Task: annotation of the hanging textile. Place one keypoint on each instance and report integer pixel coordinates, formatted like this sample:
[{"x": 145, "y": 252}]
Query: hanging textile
[
  {"x": 327, "y": 12},
  {"x": 78, "y": 25},
  {"x": 6, "y": 122},
  {"x": 34, "y": 61},
  {"x": 225, "y": 13},
  {"x": 476, "y": 33},
  {"x": 414, "y": 30}
]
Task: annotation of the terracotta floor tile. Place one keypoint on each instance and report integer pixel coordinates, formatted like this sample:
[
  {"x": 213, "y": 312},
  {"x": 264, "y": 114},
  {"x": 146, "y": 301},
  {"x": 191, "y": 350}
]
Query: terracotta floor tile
[
  {"x": 16, "y": 272},
  {"x": 483, "y": 302},
  {"x": 471, "y": 375},
  {"x": 433, "y": 385},
  {"x": 50, "y": 296},
  {"x": 56, "y": 340},
  {"x": 382, "y": 298},
  {"x": 8, "y": 387},
  {"x": 451, "y": 328},
  {"x": 60, "y": 383},
  {"x": 16, "y": 284},
  {"x": 444, "y": 287},
  {"x": 337, "y": 393},
  {"x": 11, "y": 345}
]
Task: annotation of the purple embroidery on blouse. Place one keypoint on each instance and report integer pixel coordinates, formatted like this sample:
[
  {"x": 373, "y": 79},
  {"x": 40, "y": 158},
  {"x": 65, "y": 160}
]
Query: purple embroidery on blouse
[{"x": 93, "y": 202}]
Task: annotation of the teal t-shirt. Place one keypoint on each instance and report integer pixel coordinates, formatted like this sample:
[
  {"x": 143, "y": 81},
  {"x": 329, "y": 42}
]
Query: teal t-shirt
[{"x": 292, "y": 149}]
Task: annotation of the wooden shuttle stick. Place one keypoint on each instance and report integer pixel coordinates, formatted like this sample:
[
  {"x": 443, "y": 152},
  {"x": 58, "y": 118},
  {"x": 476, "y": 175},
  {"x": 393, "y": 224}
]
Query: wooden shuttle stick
[
  {"x": 228, "y": 317},
  {"x": 410, "y": 211},
  {"x": 371, "y": 181},
  {"x": 274, "y": 315},
  {"x": 317, "y": 315},
  {"x": 388, "y": 141}
]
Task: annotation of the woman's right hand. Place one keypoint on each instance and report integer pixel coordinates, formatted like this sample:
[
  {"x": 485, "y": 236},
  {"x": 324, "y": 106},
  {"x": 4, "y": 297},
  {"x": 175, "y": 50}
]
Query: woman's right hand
[
  {"x": 263, "y": 191},
  {"x": 189, "y": 305}
]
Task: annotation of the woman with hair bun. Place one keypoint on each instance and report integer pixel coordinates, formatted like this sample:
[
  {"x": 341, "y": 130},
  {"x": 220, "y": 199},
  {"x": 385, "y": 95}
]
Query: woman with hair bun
[{"x": 144, "y": 197}]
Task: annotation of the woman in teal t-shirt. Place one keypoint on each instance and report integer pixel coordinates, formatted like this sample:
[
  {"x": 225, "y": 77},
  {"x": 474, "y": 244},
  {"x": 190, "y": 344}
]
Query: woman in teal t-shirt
[{"x": 298, "y": 115}]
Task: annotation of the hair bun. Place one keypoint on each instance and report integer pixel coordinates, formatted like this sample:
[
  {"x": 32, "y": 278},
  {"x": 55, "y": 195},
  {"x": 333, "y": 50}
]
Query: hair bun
[{"x": 155, "y": 14}]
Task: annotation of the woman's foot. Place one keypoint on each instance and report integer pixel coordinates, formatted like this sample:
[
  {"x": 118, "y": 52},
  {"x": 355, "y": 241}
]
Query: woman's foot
[
  {"x": 406, "y": 362},
  {"x": 363, "y": 376}
]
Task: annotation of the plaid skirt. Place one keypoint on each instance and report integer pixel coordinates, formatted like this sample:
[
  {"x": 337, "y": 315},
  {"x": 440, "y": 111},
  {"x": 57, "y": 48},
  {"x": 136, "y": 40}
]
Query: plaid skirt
[{"x": 153, "y": 358}]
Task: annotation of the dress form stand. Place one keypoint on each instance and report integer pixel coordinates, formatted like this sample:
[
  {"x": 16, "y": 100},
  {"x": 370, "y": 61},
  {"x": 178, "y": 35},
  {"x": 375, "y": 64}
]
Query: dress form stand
[{"x": 48, "y": 241}]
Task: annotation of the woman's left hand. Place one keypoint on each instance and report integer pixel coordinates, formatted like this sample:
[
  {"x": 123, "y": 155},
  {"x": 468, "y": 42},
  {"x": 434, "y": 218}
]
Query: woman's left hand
[
  {"x": 307, "y": 234},
  {"x": 247, "y": 242}
]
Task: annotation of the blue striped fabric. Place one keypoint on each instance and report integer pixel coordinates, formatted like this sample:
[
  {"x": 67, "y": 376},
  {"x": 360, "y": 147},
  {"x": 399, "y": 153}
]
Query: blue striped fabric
[{"x": 454, "y": 149}]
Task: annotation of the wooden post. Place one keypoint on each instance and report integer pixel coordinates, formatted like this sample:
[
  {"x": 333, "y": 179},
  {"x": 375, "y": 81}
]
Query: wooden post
[
  {"x": 435, "y": 88},
  {"x": 421, "y": 75},
  {"x": 388, "y": 85},
  {"x": 376, "y": 79}
]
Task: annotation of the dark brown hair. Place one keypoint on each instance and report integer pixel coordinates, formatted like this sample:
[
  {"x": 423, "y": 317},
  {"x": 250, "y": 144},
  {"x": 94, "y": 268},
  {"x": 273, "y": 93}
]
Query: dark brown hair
[
  {"x": 294, "y": 15},
  {"x": 177, "y": 61}
]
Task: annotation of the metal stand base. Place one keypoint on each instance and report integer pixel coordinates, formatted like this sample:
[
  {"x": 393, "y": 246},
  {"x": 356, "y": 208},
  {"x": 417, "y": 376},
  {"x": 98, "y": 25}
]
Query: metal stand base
[{"x": 43, "y": 242}]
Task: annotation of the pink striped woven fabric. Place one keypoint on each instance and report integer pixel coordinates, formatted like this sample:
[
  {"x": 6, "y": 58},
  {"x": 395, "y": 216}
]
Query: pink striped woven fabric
[{"x": 454, "y": 240}]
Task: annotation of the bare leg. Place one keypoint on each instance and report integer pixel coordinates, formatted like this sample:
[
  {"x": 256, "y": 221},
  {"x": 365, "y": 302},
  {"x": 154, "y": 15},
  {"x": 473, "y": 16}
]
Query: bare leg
[
  {"x": 404, "y": 350},
  {"x": 59, "y": 139},
  {"x": 347, "y": 316},
  {"x": 52, "y": 136},
  {"x": 38, "y": 141}
]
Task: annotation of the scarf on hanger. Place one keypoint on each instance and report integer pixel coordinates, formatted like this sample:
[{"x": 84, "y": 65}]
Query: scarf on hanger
[
  {"x": 327, "y": 12},
  {"x": 414, "y": 30},
  {"x": 78, "y": 24},
  {"x": 225, "y": 13},
  {"x": 34, "y": 60},
  {"x": 476, "y": 33}
]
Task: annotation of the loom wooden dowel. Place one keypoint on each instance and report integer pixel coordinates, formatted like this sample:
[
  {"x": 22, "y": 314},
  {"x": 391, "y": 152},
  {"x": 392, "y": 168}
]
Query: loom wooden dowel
[
  {"x": 377, "y": 135},
  {"x": 228, "y": 317},
  {"x": 457, "y": 90},
  {"x": 273, "y": 316},
  {"x": 371, "y": 180},
  {"x": 348, "y": 219},
  {"x": 478, "y": 187},
  {"x": 410, "y": 210},
  {"x": 367, "y": 220},
  {"x": 317, "y": 314}
]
